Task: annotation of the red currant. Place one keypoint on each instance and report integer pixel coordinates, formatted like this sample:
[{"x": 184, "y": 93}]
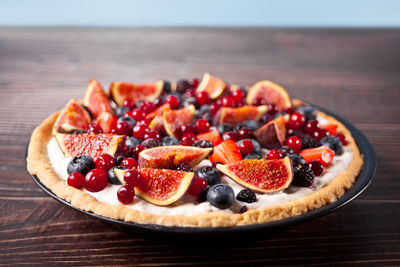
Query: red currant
[
  {"x": 274, "y": 154},
  {"x": 139, "y": 131},
  {"x": 245, "y": 133},
  {"x": 342, "y": 138},
  {"x": 202, "y": 126},
  {"x": 76, "y": 180},
  {"x": 128, "y": 103},
  {"x": 238, "y": 95},
  {"x": 137, "y": 149},
  {"x": 202, "y": 98},
  {"x": 130, "y": 163},
  {"x": 194, "y": 83},
  {"x": 294, "y": 142},
  {"x": 189, "y": 93},
  {"x": 272, "y": 109},
  {"x": 105, "y": 162},
  {"x": 173, "y": 101},
  {"x": 320, "y": 133},
  {"x": 230, "y": 136},
  {"x": 227, "y": 101},
  {"x": 197, "y": 185},
  {"x": 152, "y": 134},
  {"x": 123, "y": 128},
  {"x": 136, "y": 113},
  {"x": 188, "y": 139},
  {"x": 187, "y": 129},
  {"x": 132, "y": 177},
  {"x": 246, "y": 147},
  {"x": 148, "y": 107},
  {"x": 288, "y": 110},
  {"x": 316, "y": 167},
  {"x": 296, "y": 120},
  {"x": 95, "y": 180},
  {"x": 310, "y": 126},
  {"x": 214, "y": 107},
  {"x": 158, "y": 102},
  {"x": 125, "y": 194},
  {"x": 95, "y": 128}
]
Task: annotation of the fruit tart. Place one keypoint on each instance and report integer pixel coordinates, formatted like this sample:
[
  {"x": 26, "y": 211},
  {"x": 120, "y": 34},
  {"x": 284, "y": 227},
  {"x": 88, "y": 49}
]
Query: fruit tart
[{"x": 193, "y": 153}]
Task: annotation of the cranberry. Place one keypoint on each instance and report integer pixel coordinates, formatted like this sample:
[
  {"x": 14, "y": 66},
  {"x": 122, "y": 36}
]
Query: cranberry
[
  {"x": 95, "y": 180},
  {"x": 311, "y": 126},
  {"x": 274, "y": 154},
  {"x": 122, "y": 128},
  {"x": 136, "y": 113},
  {"x": 128, "y": 103},
  {"x": 188, "y": 139},
  {"x": 173, "y": 101},
  {"x": 294, "y": 142},
  {"x": 202, "y": 126},
  {"x": 130, "y": 163},
  {"x": 320, "y": 133},
  {"x": 139, "y": 131},
  {"x": 246, "y": 147},
  {"x": 238, "y": 95},
  {"x": 202, "y": 98},
  {"x": 259, "y": 101},
  {"x": 187, "y": 129},
  {"x": 105, "y": 162},
  {"x": 230, "y": 136},
  {"x": 158, "y": 102},
  {"x": 316, "y": 167},
  {"x": 189, "y": 93},
  {"x": 342, "y": 138},
  {"x": 76, "y": 180},
  {"x": 132, "y": 177},
  {"x": 227, "y": 101},
  {"x": 296, "y": 120},
  {"x": 214, "y": 107},
  {"x": 137, "y": 149},
  {"x": 245, "y": 133},
  {"x": 239, "y": 104},
  {"x": 145, "y": 121},
  {"x": 95, "y": 128},
  {"x": 152, "y": 134},
  {"x": 272, "y": 109},
  {"x": 125, "y": 194},
  {"x": 197, "y": 185},
  {"x": 148, "y": 107},
  {"x": 194, "y": 83},
  {"x": 289, "y": 110}
]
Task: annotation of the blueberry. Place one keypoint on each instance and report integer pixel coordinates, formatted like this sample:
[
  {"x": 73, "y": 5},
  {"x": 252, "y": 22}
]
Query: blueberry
[
  {"x": 204, "y": 114},
  {"x": 333, "y": 143},
  {"x": 256, "y": 145},
  {"x": 151, "y": 142},
  {"x": 127, "y": 119},
  {"x": 205, "y": 107},
  {"x": 252, "y": 156},
  {"x": 112, "y": 177},
  {"x": 252, "y": 124},
  {"x": 190, "y": 101},
  {"x": 120, "y": 111},
  {"x": 296, "y": 159},
  {"x": 82, "y": 163},
  {"x": 221, "y": 196},
  {"x": 203, "y": 143},
  {"x": 132, "y": 141},
  {"x": 118, "y": 158},
  {"x": 170, "y": 141},
  {"x": 210, "y": 174},
  {"x": 309, "y": 112},
  {"x": 167, "y": 86},
  {"x": 224, "y": 127}
]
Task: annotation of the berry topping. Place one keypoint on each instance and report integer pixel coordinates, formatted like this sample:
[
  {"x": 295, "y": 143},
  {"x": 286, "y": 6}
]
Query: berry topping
[
  {"x": 309, "y": 142},
  {"x": 311, "y": 126},
  {"x": 272, "y": 109},
  {"x": 227, "y": 101},
  {"x": 342, "y": 138},
  {"x": 183, "y": 167},
  {"x": 316, "y": 167},
  {"x": 294, "y": 142},
  {"x": 333, "y": 143},
  {"x": 194, "y": 83},
  {"x": 331, "y": 128},
  {"x": 323, "y": 154},
  {"x": 125, "y": 194},
  {"x": 202, "y": 98},
  {"x": 132, "y": 177},
  {"x": 288, "y": 110},
  {"x": 122, "y": 128},
  {"x": 95, "y": 180},
  {"x": 130, "y": 163},
  {"x": 251, "y": 124},
  {"x": 120, "y": 111},
  {"x": 139, "y": 131},
  {"x": 187, "y": 101},
  {"x": 296, "y": 120},
  {"x": 221, "y": 196},
  {"x": 214, "y": 107},
  {"x": 137, "y": 149},
  {"x": 303, "y": 176},
  {"x": 246, "y": 195},
  {"x": 203, "y": 143},
  {"x": 230, "y": 136},
  {"x": 224, "y": 127},
  {"x": 188, "y": 139},
  {"x": 197, "y": 186},
  {"x": 147, "y": 106},
  {"x": 286, "y": 151},
  {"x": 245, "y": 133},
  {"x": 137, "y": 114},
  {"x": 105, "y": 162},
  {"x": 274, "y": 154},
  {"x": 173, "y": 101},
  {"x": 128, "y": 103},
  {"x": 252, "y": 156},
  {"x": 112, "y": 176},
  {"x": 75, "y": 179},
  {"x": 187, "y": 129},
  {"x": 296, "y": 159},
  {"x": 151, "y": 142},
  {"x": 203, "y": 194},
  {"x": 118, "y": 158},
  {"x": 202, "y": 126},
  {"x": 95, "y": 128},
  {"x": 182, "y": 86},
  {"x": 132, "y": 141},
  {"x": 243, "y": 209},
  {"x": 309, "y": 112},
  {"x": 82, "y": 163},
  {"x": 152, "y": 134},
  {"x": 169, "y": 141},
  {"x": 128, "y": 119},
  {"x": 226, "y": 152},
  {"x": 210, "y": 174},
  {"x": 246, "y": 147}
]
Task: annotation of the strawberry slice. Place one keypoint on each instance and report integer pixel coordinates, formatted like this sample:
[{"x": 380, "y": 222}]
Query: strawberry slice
[
  {"x": 226, "y": 152},
  {"x": 158, "y": 111},
  {"x": 212, "y": 136},
  {"x": 323, "y": 154},
  {"x": 107, "y": 121},
  {"x": 332, "y": 128}
]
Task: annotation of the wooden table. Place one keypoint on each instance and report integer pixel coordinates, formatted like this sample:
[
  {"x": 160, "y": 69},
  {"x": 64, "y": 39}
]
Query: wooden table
[{"x": 353, "y": 72}]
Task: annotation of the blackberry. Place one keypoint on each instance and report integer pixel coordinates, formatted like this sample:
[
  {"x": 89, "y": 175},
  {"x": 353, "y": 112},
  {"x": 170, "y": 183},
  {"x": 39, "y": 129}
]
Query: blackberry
[
  {"x": 303, "y": 176},
  {"x": 182, "y": 86},
  {"x": 246, "y": 195},
  {"x": 286, "y": 151},
  {"x": 297, "y": 132},
  {"x": 183, "y": 167},
  {"x": 167, "y": 86},
  {"x": 333, "y": 143},
  {"x": 243, "y": 209},
  {"x": 296, "y": 159},
  {"x": 205, "y": 114},
  {"x": 151, "y": 142},
  {"x": 309, "y": 142},
  {"x": 203, "y": 144}
]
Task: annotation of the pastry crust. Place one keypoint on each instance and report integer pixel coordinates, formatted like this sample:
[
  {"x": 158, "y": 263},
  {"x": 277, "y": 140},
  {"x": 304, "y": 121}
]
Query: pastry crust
[{"x": 38, "y": 164}]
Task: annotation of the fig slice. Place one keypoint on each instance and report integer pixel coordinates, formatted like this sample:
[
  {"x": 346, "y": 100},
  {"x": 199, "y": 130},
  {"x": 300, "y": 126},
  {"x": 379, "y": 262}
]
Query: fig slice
[
  {"x": 272, "y": 134},
  {"x": 121, "y": 91},
  {"x": 160, "y": 187},
  {"x": 212, "y": 85},
  {"x": 270, "y": 93},
  {"x": 236, "y": 115},
  {"x": 169, "y": 157},
  {"x": 93, "y": 145},
  {"x": 261, "y": 175},
  {"x": 96, "y": 100},
  {"x": 174, "y": 119},
  {"x": 72, "y": 117}
]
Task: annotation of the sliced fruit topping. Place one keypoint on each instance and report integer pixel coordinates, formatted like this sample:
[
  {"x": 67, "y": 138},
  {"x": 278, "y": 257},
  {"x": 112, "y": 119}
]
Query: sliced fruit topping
[
  {"x": 107, "y": 121},
  {"x": 267, "y": 92},
  {"x": 332, "y": 128},
  {"x": 72, "y": 117},
  {"x": 322, "y": 154},
  {"x": 265, "y": 176},
  {"x": 174, "y": 119},
  {"x": 121, "y": 91},
  {"x": 213, "y": 136},
  {"x": 96, "y": 100},
  {"x": 93, "y": 145},
  {"x": 226, "y": 152},
  {"x": 159, "y": 186},
  {"x": 233, "y": 116},
  {"x": 272, "y": 134},
  {"x": 169, "y": 157},
  {"x": 212, "y": 85}
]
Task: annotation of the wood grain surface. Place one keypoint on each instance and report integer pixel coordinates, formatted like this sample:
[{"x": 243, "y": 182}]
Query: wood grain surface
[{"x": 352, "y": 72}]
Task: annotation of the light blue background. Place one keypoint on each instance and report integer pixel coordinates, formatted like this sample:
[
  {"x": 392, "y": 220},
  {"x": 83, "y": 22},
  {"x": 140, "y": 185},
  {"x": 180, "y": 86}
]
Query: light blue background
[{"x": 333, "y": 13}]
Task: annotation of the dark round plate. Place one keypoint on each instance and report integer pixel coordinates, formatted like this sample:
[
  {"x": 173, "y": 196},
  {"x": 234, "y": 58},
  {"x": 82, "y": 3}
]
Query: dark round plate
[{"x": 362, "y": 182}]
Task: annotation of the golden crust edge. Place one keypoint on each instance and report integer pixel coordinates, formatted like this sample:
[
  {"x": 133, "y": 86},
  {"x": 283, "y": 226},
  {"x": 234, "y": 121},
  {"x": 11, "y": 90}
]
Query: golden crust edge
[{"x": 38, "y": 164}]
